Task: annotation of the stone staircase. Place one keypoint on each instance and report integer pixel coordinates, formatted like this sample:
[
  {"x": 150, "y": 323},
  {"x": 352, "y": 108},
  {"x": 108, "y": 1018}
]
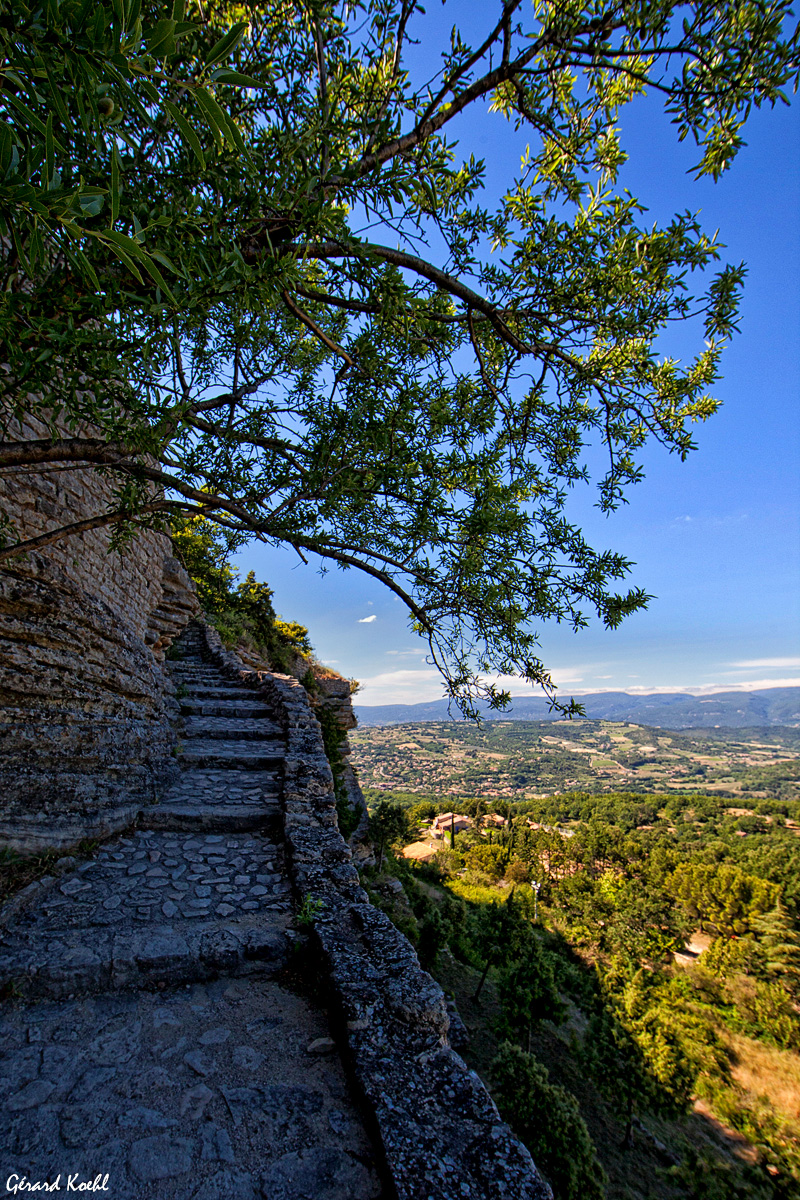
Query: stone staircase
[{"x": 155, "y": 1032}]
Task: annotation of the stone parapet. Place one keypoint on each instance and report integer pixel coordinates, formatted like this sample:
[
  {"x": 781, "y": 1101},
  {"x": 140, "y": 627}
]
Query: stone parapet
[{"x": 440, "y": 1130}]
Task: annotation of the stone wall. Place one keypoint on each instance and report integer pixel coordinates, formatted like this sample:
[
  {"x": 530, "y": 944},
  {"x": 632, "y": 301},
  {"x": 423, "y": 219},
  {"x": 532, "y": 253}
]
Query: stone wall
[
  {"x": 333, "y": 692},
  {"x": 85, "y": 706},
  {"x": 440, "y": 1130},
  {"x": 40, "y": 500}
]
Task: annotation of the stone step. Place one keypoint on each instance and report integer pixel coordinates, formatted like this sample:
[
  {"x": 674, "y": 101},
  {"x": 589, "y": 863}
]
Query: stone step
[
  {"x": 225, "y": 787},
  {"x": 236, "y": 756},
  {"x": 188, "y": 681},
  {"x": 158, "y": 907},
  {"x": 218, "y": 692},
  {"x": 219, "y": 818},
  {"x": 87, "y": 962},
  {"x": 226, "y": 708},
  {"x": 234, "y": 728}
]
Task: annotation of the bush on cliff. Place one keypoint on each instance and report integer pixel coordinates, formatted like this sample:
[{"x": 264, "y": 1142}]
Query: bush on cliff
[{"x": 242, "y": 612}]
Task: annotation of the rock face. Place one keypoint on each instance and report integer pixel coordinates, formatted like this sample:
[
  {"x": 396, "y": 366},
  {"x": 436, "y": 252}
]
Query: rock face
[{"x": 85, "y": 706}]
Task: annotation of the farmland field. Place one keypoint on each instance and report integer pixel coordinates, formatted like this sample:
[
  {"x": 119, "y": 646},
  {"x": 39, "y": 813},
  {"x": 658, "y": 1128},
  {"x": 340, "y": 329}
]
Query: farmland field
[{"x": 519, "y": 759}]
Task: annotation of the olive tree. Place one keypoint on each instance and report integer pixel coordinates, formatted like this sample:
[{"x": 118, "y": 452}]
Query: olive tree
[{"x": 250, "y": 275}]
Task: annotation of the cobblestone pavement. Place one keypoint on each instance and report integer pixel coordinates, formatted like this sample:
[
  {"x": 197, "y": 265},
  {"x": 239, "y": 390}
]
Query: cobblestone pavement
[{"x": 152, "y": 1036}]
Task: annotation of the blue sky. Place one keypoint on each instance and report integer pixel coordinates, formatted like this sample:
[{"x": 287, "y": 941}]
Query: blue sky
[{"x": 716, "y": 539}]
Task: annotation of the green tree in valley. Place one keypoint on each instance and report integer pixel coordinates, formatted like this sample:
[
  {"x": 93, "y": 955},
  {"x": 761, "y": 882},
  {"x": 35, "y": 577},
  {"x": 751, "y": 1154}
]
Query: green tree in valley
[
  {"x": 722, "y": 896},
  {"x": 780, "y": 944},
  {"x": 497, "y": 933},
  {"x": 527, "y": 989},
  {"x": 388, "y": 824},
  {"x": 617, "y": 1066},
  {"x": 548, "y": 1120},
  {"x": 647, "y": 1048}
]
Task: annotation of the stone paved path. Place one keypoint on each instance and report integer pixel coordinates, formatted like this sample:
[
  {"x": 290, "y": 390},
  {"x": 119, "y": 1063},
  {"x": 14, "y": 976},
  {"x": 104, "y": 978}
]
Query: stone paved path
[{"x": 152, "y": 1035}]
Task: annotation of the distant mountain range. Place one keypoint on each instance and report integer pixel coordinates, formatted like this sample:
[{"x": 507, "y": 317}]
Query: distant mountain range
[{"x": 670, "y": 710}]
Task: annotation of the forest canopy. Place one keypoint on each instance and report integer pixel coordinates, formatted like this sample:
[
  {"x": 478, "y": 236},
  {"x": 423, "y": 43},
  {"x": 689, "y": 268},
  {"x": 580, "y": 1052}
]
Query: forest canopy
[{"x": 250, "y": 274}]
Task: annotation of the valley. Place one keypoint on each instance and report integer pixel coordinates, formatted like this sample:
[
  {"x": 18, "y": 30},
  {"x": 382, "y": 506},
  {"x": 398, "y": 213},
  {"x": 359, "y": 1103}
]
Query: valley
[{"x": 518, "y": 760}]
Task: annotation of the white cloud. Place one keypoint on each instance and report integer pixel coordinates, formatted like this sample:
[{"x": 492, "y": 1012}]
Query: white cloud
[
  {"x": 562, "y": 677},
  {"x": 419, "y": 686},
  {"x": 752, "y": 685},
  {"x": 702, "y": 689},
  {"x": 402, "y": 687},
  {"x": 367, "y": 620},
  {"x": 759, "y": 663}
]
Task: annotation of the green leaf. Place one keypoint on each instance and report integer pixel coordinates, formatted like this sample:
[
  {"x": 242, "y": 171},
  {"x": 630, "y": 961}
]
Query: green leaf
[
  {"x": 157, "y": 277},
  {"x": 127, "y": 245},
  {"x": 29, "y": 116},
  {"x": 223, "y": 75},
  {"x": 150, "y": 92},
  {"x": 236, "y": 135},
  {"x": 119, "y": 20},
  {"x": 159, "y": 256},
  {"x": 91, "y": 201},
  {"x": 160, "y": 40},
  {"x": 21, "y": 255},
  {"x": 227, "y": 44},
  {"x": 114, "y": 186},
  {"x": 79, "y": 259},
  {"x": 6, "y": 147},
  {"x": 224, "y": 122},
  {"x": 109, "y": 238},
  {"x": 49, "y": 152},
  {"x": 58, "y": 99},
  {"x": 213, "y": 115},
  {"x": 187, "y": 133}
]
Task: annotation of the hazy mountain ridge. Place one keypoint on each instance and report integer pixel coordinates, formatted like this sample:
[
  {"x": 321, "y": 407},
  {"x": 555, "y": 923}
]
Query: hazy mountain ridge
[{"x": 670, "y": 710}]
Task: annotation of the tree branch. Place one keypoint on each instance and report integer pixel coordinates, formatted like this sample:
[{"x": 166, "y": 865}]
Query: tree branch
[
  {"x": 447, "y": 283},
  {"x": 315, "y": 329},
  {"x": 91, "y": 450},
  {"x": 57, "y": 535}
]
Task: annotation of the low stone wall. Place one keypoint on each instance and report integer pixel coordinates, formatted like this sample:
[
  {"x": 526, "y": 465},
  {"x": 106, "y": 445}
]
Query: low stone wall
[
  {"x": 333, "y": 693},
  {"x": 440, "y": 1130}
]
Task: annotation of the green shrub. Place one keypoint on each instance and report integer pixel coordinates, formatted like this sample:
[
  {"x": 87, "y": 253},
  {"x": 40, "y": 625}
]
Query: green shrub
[
  {"x": 547, "y": 1118},
  {"x": 242, "y": 613}
]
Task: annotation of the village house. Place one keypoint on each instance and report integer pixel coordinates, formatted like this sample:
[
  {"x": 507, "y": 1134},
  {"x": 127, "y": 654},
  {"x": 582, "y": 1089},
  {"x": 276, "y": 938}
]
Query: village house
[{"x": 450, "y": 822}]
